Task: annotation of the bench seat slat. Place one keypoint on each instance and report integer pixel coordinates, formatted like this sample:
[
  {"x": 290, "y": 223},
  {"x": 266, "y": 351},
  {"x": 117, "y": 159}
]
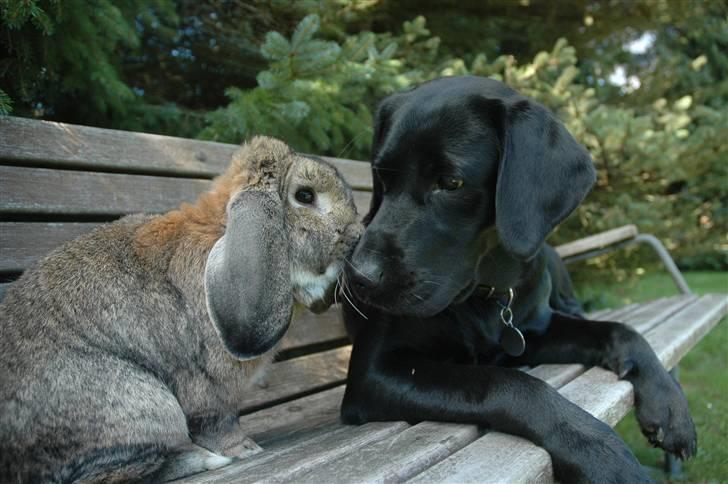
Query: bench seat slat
[
  {"x": 555, "y": 375},
  {"x": 304, "y": 375},
  {"x": 68, "y": 146},
  {"x": 302, "y": 455},
  {"x": 302, "y": 414},
  {"x": 404, "y": 455},
  {"x": 428, "y": 442},
  {"x": 598, "y": 391},
  {"x": 308, "y": 329},
  {"x": 397, "y": 457}
]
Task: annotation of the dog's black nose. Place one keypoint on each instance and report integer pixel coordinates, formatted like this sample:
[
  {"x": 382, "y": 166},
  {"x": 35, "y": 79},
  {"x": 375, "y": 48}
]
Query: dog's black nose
[{"x": 365, "y": 276}]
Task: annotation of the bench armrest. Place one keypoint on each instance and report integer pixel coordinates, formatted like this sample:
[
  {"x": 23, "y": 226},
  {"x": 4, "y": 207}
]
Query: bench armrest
[
  {"x": 597, "y": 241},
  {"x": 614, "y": 239}
]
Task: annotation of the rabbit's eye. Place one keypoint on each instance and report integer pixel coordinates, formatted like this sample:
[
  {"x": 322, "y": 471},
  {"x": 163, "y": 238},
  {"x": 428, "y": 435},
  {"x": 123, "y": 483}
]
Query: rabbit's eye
[{"x": 305, "y": 196}]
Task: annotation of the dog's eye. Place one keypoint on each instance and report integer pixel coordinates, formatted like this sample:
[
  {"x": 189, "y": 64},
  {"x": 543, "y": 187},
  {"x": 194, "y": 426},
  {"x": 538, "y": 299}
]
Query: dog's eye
[
  {"x": 305, "y": 196},
  {"x": 449, "y": 183}
]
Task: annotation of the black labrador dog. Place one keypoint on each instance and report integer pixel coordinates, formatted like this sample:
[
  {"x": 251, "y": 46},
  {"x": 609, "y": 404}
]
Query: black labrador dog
[{"x": 469, "y": 179}]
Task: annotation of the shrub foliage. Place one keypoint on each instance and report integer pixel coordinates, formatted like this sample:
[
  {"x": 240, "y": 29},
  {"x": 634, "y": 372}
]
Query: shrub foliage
[{"x": 312, "y": 73}]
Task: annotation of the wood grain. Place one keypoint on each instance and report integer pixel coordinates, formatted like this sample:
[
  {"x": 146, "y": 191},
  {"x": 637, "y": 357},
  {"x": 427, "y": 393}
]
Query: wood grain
[
  {"x": 68, "y": 146},
  {"x": 284, "y": 464},
  {"x": 287, "y": 379},
  {"x": 597, "y": 241},
  {"x": 62, "y": 192},
  {"x": 474, "y": 464},
  {"x": 598, "y": 391},
  {"x": 23, "y": 243},
  {"x": 397, "y": 457},
  {"x": 309, "y": 329},
  {"x": 302, "y": 414}
]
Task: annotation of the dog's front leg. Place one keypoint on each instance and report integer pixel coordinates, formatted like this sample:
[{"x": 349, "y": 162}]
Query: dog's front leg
[
  {"x": 660, "y": 405},
  {"x": 397, "y": 383}
]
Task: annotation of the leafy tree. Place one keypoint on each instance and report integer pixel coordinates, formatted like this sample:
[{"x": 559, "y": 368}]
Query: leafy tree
[
  {"x": 312, "y": 72},
  {"x": 62, "y": 61},
  {"x": 320, "y": 96}
]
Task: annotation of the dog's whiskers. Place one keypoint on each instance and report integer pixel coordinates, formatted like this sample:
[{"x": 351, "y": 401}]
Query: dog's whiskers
[
  {"x": 372, "y": 251},
  {"x": 390, "y": 169},
  {"x": 345, "y": 287},
  {"x": 357, "y": 270},
  {"x": 432, "y": 282},
  {"x": 338, "y": 286},
  {"x": 355, "y": 138}
]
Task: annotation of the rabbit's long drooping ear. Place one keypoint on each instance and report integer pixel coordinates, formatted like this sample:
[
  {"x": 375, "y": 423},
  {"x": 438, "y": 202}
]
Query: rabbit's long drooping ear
[
  {"x": 543, "y": 175},
  {"x": 247, "y": 276}
]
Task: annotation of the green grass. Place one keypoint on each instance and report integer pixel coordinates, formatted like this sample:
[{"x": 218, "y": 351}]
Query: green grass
[{"x": 703, "y": 375}]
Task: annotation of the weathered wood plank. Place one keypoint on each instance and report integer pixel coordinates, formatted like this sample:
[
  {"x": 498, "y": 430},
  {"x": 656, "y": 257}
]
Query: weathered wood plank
[
  {"x": 674, "y": 338},
  {"x": 597, "y": 241},
  {"x": 475, "y": 463},
  {"x": 308, "y": 328},
  {"x": 362, "y": 201},
  {"x": 294, "y": 460},
  {"x": 304, "y": 413},
  {"x": 22, "y": 244},
  {"x": 557, "y": 375},
  {"x": 396, "y": 458},
  {"x": 654, "y": 312},
  {"x": 598, "y": 391},
  {"x": 287, "y": 379},
  {"x": 612, "y": 313},
  {"x": 358, "y": 174},
  {"x": 62, "y": 192},
  {"x": 404, "y": 455},
  {"x": 71, "y": 146}
]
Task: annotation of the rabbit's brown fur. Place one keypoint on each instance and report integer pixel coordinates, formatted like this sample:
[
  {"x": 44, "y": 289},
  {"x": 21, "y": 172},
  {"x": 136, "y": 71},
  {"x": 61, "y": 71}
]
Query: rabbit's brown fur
[{"x": 110, "y": 367}]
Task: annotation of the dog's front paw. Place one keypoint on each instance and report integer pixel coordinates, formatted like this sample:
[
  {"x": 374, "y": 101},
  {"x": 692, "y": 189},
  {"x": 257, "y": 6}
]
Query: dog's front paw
[{"x": 664, "y": 417}]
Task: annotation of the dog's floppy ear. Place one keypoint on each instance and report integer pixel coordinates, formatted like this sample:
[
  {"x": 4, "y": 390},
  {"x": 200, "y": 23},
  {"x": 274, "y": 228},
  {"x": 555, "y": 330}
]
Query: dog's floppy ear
[
  {"x": 543, "y": 175},
  {"x": 247, "y": 275}
]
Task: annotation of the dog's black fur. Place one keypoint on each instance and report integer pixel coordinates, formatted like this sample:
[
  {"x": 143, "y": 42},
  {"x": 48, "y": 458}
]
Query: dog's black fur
[{"x": 429, "y": 349}]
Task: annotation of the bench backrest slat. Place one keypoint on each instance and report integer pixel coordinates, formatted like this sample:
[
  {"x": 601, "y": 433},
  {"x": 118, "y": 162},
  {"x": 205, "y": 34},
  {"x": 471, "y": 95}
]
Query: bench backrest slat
[
  {"x": 28, "y": 142},
  {"x": 59, "y": 181},
  {"x": 41, "y": 191}
]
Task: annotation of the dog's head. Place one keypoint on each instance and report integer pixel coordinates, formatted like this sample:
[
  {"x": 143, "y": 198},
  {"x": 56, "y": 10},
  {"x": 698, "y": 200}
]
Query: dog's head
[{"x": 460, "y": 166}]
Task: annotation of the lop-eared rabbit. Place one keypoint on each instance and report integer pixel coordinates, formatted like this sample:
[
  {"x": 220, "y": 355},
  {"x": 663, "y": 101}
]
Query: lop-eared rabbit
[{"x": 125, "y": 353}]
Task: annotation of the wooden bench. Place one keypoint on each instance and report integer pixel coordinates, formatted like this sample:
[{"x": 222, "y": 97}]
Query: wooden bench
[{"x": 58, "y": 181}]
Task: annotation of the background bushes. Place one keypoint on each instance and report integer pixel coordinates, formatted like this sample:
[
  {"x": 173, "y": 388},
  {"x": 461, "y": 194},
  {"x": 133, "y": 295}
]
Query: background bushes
[{"x": 311, "y": 72}]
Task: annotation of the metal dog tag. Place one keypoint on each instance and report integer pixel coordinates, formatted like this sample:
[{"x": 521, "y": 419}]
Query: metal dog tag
[{"x": 512, "y": 341}]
